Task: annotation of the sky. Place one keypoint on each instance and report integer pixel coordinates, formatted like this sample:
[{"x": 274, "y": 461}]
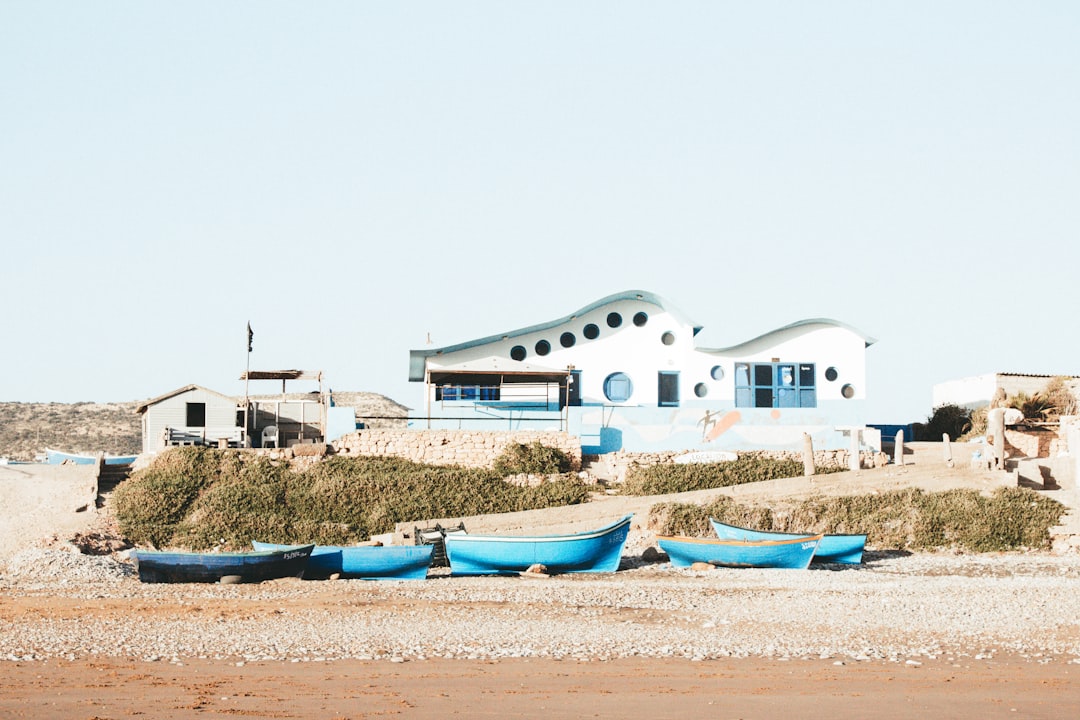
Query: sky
[{"x": 354, "y": 178}]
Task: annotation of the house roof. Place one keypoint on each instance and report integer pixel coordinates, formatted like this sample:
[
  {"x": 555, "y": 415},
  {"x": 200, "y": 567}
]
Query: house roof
[
  {"x": 281, "y": 375},
  {"x": 806, "y": 325},
  {"x": 179, "y": 391},
  {"x": 416, "y": 357}
]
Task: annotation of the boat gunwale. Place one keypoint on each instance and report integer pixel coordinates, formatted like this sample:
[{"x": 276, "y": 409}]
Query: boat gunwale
[
  {"x": 715, "y": 522},
  {"x": 586, "y": 535},
  {"x": 741, "y": 543},
  {"x": 240, "y": 554}
]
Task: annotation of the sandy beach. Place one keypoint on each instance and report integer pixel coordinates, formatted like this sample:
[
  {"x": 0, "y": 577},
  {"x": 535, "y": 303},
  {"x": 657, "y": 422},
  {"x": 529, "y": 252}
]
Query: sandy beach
[
  {"x": 903, "y": 635},
  {"x": 749, "y": 688}
]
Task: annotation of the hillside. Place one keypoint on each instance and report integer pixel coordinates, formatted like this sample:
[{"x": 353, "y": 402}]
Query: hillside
[{"x": 26, "y": 429}]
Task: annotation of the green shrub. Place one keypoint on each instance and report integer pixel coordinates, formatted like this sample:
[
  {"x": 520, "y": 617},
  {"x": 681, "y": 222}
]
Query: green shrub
[
  {"x": 909, "y": 519},
  {"x": 151, "y": 504},
  {"x": 531, "y": 459},
  {"x": 672, "y": 478},
  {"x": 947, "y": 419},
  {"x": 199, "y": 498}
]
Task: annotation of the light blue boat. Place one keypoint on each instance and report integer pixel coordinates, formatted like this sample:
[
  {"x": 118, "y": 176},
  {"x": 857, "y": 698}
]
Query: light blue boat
[
  {"x": 790, "y": 553},
  {"x": 593, "y": 551},
  {"x": 846, "y": 549},
  {"x": 58, "y": 457},
  {"x": 364, "y": 562}
]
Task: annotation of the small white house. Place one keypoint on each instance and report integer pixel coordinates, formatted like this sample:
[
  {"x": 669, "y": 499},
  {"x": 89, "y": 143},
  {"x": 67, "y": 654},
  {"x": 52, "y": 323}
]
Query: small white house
[
  {"x": 626, "y": 372},
  {"x": 191, "y": 415},
  {"x": 194, "y": 415}
]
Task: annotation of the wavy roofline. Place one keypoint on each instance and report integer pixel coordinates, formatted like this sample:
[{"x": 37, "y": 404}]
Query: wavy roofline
[
  {"x": 639, "y": 295},
  {"x": 417, "y": 357},
  {"x": 792, "y": 326}
]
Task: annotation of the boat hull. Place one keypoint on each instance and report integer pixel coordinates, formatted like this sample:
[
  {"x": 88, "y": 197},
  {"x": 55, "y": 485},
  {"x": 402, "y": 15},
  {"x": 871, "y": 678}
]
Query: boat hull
[
  {"x": 180, "y": 567},
  {"x": 365, "y": 562},
  {"x": 595, "y": 551},
  {"x": 59, "y": 457},
  {"x": 847, "y": 549},
  {"x": 792, "y": 553}
]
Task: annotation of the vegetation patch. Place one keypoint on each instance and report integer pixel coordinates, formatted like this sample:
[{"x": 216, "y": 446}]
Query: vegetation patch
[
  {"x": 199, "y": 498},
  {"x": 910, "y": 519},
  {"x": 532, "y": 459},
  {"x": 674, "y": 478}
]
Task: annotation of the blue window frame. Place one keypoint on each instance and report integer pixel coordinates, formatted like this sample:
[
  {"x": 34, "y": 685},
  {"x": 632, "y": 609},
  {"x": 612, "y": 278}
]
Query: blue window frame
[
  {"x": 474, "y": 393},
  {"x": 617, "y": 387},
  {"x": 775, "y": 385}
]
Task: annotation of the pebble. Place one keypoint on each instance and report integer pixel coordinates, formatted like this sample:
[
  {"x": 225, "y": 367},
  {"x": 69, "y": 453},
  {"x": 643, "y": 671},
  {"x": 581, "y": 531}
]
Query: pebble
[{"x": 895, "y": 608}]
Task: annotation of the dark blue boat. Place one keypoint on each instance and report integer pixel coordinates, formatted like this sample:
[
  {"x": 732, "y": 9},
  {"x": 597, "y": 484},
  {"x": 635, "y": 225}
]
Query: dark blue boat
[
  {"x": 846, "y": 549},
  {"x": 364, "y": 562},
  {"x": 157, "y": 566},
  {"x": 592, "y": 551}
]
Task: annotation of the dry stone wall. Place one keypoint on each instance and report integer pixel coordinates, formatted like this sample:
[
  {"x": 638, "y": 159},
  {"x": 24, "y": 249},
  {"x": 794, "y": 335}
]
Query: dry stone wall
[
  {"x": 1033, "y": 442},
  {"x": 466, "y": 448},
  {"x": 822, "y": 458}
]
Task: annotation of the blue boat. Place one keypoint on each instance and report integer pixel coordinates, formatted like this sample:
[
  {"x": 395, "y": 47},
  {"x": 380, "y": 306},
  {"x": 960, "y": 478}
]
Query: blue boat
[
  {"x": 592, "y": 551},
  {"x": 846, "y": 549},
  {"x": 790, "y": 553},
  {"x": 59, "y": 457},
  {"x": 156, "y": 566},
  {"x": 364, "y": 562}
]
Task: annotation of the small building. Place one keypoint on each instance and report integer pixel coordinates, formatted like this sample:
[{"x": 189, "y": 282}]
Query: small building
[
  {"x": 194, "y": 415},
  {"x": 626, "y": 373},
  {"x": 977, "y": 391},
  {"x": 191, "y": 415}
]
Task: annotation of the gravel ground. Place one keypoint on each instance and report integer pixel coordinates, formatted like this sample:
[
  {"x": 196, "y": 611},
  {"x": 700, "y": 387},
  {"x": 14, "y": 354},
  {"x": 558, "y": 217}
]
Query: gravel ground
[{"x": 56, "y": 603}]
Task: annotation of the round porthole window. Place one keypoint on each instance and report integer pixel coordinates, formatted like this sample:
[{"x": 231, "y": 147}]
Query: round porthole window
[
  {"x": 701, "y": 389},
  {"x": 717, "y": 373},
  {"x": 640, "y": 319},
  {"x": 831, "y": 374},
  {"x": 668, "y": 338},
  {"x": 614, "y": 320},
  {"x": 567, "y": 339},
  {"x": 543, "y": 347},
  {"x": 591, "y": 332},
  {"x": 617, "y": 387},
  {"x": 848, "y": 391},
  {"x": 517, "y": 353}
]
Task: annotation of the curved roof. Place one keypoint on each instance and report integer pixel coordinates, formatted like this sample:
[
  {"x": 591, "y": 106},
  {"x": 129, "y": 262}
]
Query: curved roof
[
  {"x": 416, "y": 356},
  {"x": 417, "y": 362},
  {"x": 806, "y": 325}
]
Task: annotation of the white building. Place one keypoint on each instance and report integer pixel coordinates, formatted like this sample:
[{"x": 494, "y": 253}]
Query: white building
[
  {"x": 626, "y": 372},
  {"x": 977, "y": 391}
]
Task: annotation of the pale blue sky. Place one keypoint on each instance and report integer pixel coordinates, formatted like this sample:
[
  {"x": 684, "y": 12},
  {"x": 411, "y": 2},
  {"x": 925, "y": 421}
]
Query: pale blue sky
[{"x": 352, "y": 176}]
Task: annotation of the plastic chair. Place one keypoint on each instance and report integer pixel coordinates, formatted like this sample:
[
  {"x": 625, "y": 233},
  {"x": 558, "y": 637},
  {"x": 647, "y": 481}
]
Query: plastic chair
[{"x": 269, "y": 435}]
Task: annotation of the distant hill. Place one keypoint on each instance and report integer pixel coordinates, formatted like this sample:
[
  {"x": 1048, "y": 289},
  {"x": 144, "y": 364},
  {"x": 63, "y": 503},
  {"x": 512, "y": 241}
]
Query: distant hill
[{"x": 26, "y": 429}]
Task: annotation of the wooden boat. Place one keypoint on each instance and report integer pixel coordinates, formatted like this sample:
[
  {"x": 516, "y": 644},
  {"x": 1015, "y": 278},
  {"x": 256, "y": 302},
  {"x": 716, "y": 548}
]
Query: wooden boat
[
  {"x": 365, "y": 562},
  {"x": 846, "y": 549},
  {"x": 156, "y": 566},
  {"x": 58, "y": 457},
  {"x": 791, "y": 553},
  {"x": 592, "y": 551}
]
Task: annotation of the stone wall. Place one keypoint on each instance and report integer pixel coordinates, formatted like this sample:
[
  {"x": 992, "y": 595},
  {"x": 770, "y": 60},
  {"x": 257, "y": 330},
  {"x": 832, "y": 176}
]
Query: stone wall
[
  {"x": 1033, "y": 442},
  {"x": 466, "y": 448},
  {"x": 822, "y": 458}
]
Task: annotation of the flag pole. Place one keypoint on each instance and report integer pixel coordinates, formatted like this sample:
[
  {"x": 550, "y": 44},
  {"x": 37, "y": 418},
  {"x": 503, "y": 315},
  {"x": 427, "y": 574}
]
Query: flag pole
[{"x": 247, "y": 381}]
